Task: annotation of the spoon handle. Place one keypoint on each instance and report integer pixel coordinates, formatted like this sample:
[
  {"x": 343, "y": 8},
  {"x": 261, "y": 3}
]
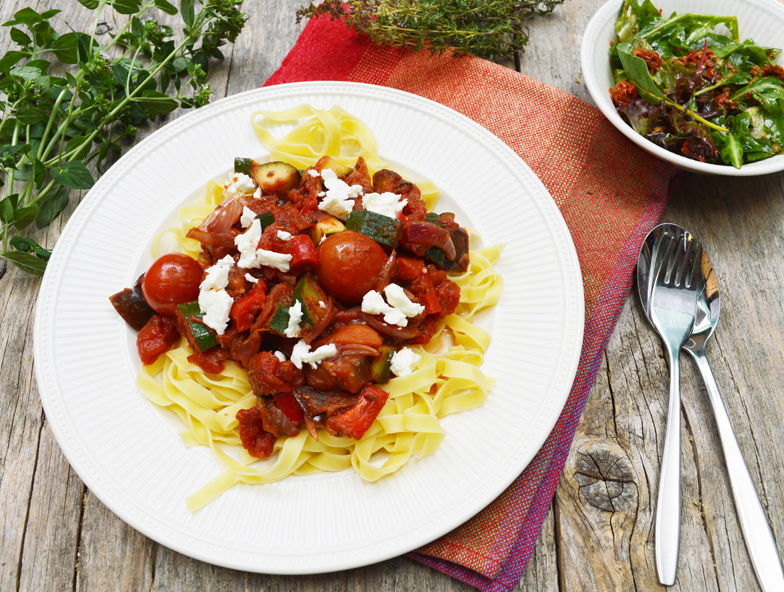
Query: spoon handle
[
  {"x": 668, "y": 508},
  {"x": 753, "y": 522}
]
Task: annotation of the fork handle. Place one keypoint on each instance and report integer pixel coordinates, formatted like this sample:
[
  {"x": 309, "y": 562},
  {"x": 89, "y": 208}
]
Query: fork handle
[
  {"x": 668, "y": 508},
  {"x": 753, "y": 522}
]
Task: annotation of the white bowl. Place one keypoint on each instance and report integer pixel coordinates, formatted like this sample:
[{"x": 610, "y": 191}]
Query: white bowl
[{"x": 760, "y": 20}]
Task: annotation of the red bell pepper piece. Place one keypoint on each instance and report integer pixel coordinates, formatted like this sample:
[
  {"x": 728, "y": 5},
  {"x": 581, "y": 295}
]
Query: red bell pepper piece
[
  {"x": 310, "y": 205},
  {"x": 289, "y": 406},
  {"x": 354, "y": 421},
  {"x": 244, "y": 311},
  {"x": 408, "y": 268},
  {"x": 303, "y": 252},
  {"x": 427, "y": 294}
]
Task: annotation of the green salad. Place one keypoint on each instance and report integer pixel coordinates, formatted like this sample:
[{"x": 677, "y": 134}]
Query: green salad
[{"x": 692, "y": 89}]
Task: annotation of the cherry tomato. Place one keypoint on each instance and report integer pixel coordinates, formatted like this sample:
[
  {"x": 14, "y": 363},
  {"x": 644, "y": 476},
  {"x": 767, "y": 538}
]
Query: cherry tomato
[
  {"x": 349, "y": 264},
  {"x": 173, "y": 279}
]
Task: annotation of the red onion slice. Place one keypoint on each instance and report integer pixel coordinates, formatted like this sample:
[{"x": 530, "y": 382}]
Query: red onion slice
[{"x": 427, "y": 233}]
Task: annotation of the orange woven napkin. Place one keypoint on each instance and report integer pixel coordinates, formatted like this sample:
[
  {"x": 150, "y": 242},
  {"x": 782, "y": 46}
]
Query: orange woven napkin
[{"x": 610, "y": 194}]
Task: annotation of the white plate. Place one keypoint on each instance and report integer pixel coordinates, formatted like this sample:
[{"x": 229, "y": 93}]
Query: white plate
[
  {"x": 130, "y": 457},
  {"x": 760, "y": 20}
]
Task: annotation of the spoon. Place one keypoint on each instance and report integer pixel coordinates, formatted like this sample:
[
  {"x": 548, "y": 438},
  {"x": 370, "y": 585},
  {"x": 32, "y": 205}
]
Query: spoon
[{"x": 754, "y": 524}]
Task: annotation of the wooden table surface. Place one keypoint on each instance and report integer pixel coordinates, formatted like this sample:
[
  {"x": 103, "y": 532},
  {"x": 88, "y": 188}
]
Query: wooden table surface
[{"x": 56, "y": 535}]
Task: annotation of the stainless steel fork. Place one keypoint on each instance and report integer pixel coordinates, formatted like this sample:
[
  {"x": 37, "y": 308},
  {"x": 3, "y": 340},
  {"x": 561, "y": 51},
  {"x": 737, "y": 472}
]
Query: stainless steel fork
[{"x": 673, "y": 304}]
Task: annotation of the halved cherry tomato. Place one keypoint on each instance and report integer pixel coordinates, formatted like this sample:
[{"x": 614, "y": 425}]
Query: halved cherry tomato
[
  {"x": 408, "y": 268},
  {"x": 348, "y": 334},
  {"x": 243, "y": 311},
  {"x": 173, "y": 279},
  {"x": 303, "y": 253},
  {"x": 288, "y": 403}
]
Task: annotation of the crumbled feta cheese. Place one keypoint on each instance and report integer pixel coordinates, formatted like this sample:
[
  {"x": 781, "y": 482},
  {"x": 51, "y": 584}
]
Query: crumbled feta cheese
[
  {"x": 397, "y": 298},
  {"x": 301, "y": 354},
  {"x": 247, "y": 217},
  {"x": 257, "y": 193},
  {"x": 321, "y": 193},
  {"x": 323, "y": 238},
  {"x": 339, "y": 199},
  {"x": 403, "y": 361},
  {"x": 373, "y": 303},
  {"x": 314, "y": 173},
  {"x": 218, "y": 275},
  {"x": 321, "y": 304},
  {"x": 386, "y": 204},
  {"x": 295, "y": 316},
  {"x": 250, "y": 278},
  {"x": 283, "y": 235},
  {"x": 239, "y": 184},
  {"x": 215, "y": 304},
  {"x": 247, "y": 244},
  {"x": 280, "y": 355},
  {"x": 279, "y": 261}
]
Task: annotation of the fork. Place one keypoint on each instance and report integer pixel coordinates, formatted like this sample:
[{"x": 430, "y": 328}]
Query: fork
[{"x": 673, "y": 306}]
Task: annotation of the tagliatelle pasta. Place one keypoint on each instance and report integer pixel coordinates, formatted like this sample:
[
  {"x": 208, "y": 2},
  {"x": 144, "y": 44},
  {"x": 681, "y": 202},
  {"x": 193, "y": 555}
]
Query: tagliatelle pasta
[{"x": 447, "y": 378}]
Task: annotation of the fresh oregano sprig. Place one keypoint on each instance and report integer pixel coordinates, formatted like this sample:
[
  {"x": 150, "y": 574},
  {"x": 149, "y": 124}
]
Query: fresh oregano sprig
[
  {"x": 53, "y": 126},
  {"x": 489, "y": 28}
]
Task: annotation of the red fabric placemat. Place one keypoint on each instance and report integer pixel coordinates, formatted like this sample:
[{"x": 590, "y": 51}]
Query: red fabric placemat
[{"x": 610, "y": 193}]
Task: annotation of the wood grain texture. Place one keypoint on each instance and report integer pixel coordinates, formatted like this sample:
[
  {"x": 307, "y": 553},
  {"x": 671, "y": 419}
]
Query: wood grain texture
[{"x": 56, "y": 535}]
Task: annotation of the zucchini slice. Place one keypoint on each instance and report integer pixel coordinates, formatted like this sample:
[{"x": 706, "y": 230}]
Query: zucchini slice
[
  {"x": 325, "y": 227},
  {"x": 382, "y": 229},
  {"x": 275, "y": 177},
  {"x": 327, "y": 162},
  {"x": 309, "y": 293},
  {"x": 201, "y": 335},
  {"x": 381, "y": 364}
]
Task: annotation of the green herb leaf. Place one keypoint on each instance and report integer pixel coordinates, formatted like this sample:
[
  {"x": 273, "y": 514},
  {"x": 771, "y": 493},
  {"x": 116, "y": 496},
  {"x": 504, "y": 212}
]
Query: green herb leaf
[
  {"x": 188, "y": 14},
  {"x": 767, "y": 90},
  {"x": 66, "y": 48},
  {"x": 10, "y": 59},
  {"x": 157, "y": 103},
  {"x": 91, "y": 4},
  {"x": 27, "y": 16},
  {"x": 7, "y": 207},
  {"x": 23, "y": 217},
  {"x": 166, "y": 7},
  {"x": 50, "y": 206},
  {"x": 29, "y": 116},
  {"x": 126, "y": 6},
  {"x": 19, "y": 37},
  {"x": 74, "y": 175},
  {"x": 26, "y": 262}
]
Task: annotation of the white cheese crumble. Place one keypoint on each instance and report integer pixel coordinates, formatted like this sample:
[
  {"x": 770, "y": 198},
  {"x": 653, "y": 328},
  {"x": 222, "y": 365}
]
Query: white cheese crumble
[
  {"x": 257, "y": 193},
  {"x": 397, "y": 298},
  {"x": 283, "y": 235},
  {"x": 247, "y": 217},
  {"x": 373, "y": 303},
  {"x": 218, "y": 275},
  {"x": 247, "y": 244},
  {"x": 239, "y": 184},
  {"x": 321, "y": 304},
  {"x": 279, "y": 261},
  {"x": 386, "y": 204},
  {"x": 216, "y": 305},
  {"x": 301, "y": 354},
  {"x": 251, "y": 279},
  {"x": 214, "y": 301},
  {"x": 339, "y": 199},
  {"x": 403, "y": 361},
  {"x": 295, "y": 317},
  {"x": 280, "y": 355},
  {"x": 314, "y": 173}
]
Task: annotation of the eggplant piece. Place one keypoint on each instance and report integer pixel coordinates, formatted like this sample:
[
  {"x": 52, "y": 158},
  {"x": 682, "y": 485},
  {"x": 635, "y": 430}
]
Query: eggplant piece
[
  {"x": 131, "y": 305},
  {"x": 275, "y": 177},
  {"x": 461, "y": 259}
]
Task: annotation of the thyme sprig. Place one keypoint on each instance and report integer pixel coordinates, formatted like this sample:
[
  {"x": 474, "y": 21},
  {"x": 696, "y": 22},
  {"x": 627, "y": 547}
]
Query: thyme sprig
[
  {"x": 52, "y": 127},
  {"x": 489, "y": 28}
]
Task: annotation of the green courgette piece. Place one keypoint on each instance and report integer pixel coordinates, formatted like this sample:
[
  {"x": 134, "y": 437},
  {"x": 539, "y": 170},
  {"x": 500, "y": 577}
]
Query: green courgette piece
[
  {"x": 382, "y": 229},
  {"x": 327, "y": 162},
  {"x": 309, "y": 293},
  {"x": 436, "y": 256},
  {"x": 201, "y": 335},
  {"x": 243, "y": 165},
  {"x": 265, "y": 220},
  {"x": 275, "y": 177},
  {"x": 434, "y": 218},
  {"x": 280, "y": 320},
  {"x": 381, "y": 364}
]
